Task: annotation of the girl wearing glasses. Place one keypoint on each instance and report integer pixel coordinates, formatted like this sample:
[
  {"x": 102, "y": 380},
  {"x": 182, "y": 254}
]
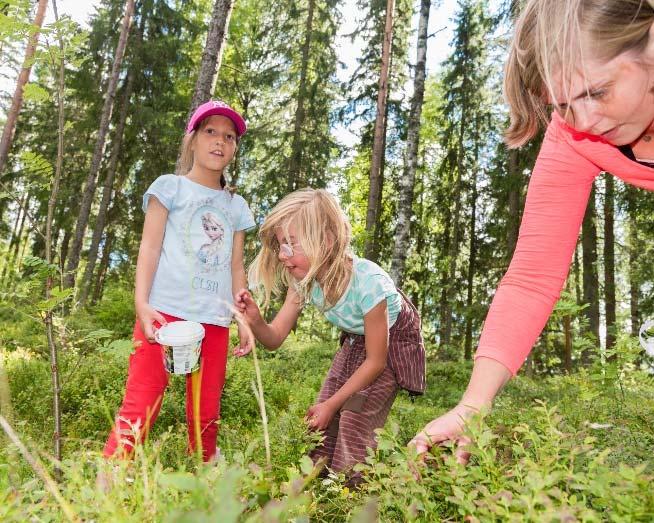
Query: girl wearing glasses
[{"x": 306, "y": 253}]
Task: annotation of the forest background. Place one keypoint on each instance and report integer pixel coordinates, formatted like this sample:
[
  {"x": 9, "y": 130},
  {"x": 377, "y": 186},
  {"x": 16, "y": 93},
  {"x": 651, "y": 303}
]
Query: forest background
[{"x": 408, "y": 136}]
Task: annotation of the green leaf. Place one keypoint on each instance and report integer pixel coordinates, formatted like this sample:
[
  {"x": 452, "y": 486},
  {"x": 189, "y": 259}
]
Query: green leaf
[
  {"x": 97, "y": 335},
  {"x": 35, "y": 93},
  {"x": 183, "y": 481},
  {"x": 57, "y": 297},
  {"x": 35, "y": 163},
  {"x": 118, "y": 348},
  {"x": 306, "y": 465}
]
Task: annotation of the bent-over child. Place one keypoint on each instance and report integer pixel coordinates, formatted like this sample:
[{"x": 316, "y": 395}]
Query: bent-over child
[{"x": 305, "y": 249}]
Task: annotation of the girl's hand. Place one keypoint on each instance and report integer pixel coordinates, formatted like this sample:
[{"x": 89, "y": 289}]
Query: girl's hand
[
  {"x": 246, "y": 342},
  {"x": 319, "y": 415},
  {"x": 148, "y": 316},
  {"x": 247, "y": 307},
  {"x": 448, "y": 427}
]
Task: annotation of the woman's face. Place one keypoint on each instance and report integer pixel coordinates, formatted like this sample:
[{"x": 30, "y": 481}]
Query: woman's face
[{"x": 611, "y": 99}]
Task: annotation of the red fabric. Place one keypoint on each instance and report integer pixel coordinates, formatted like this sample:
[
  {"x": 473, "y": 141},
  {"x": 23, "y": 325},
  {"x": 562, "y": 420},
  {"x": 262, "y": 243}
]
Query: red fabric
[
  {"x": 558, "y": 193},
  {"x": 147, "y": 380}
]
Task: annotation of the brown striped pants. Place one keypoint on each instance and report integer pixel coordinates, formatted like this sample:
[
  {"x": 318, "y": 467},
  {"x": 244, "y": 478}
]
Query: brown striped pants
[{"x": 352, "y": 430}]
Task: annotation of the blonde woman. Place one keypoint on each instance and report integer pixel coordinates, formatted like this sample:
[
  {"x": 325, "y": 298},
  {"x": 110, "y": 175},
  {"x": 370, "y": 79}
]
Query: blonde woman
[
  {"x": 590, "y": 65},
  {"x": 305, "y": 251},
  {"x": 173, "y": 283}
]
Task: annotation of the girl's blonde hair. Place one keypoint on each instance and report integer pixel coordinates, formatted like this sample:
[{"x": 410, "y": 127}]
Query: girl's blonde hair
[
  {"x": 553, "y": 37},
  {"x": 185, "y": 163},
  {"x": 324, "y": 234}
]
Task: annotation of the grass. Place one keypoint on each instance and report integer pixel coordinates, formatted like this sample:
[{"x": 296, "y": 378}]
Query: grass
[{"x": 566, "y": 448}]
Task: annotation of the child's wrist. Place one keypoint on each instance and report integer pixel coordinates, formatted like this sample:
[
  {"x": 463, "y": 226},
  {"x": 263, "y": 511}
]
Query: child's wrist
[{"x": 139, "y": 304}]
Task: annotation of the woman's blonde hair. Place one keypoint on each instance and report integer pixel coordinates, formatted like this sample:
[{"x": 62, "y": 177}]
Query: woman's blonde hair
[
  {"x": 185, "y": 162},
  {"x": 324, "y": 234},
  {"x": 553, "y": 37}
]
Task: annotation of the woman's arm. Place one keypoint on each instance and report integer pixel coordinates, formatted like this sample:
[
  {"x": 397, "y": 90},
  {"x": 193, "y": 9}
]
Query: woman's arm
[
  {"x": 270, "y": 335},
  {"x": 556, "y": 202},
  {"x": 375, "y": 325},
  {"x": 554, "y": 209},
  {"x": 154, "y": 228}
]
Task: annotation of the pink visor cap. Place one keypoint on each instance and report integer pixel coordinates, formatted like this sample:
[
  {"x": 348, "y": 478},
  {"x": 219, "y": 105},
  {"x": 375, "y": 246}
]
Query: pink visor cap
[{"x": 216, "y": 107}]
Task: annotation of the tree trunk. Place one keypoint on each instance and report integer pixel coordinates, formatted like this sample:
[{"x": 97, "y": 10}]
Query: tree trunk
[
  {"x": 63, "y": 251},
  {"x": 52, "y": 202},
  {"x": 212, "y": 53},
  {"x": 89, "y": 191},
  {"x": 609, "y": 261},
  {"x": 14, "y": 258},
  {"x": 634, "y": 282},
  {"x": 567, "y": 347},
  {"x": 374, "y": 193},
  {"x": 407, "y": 180},
  {"x": 590, "y": 281},
  {"x": 472, "y": 267},
  {"x": 444, "y": 308},
  {"x": 295, "y": 160},
  {"x": 15, "y": 236},
  {"x": 235, "y": 166},
  {"x": 23, "y": 77},
  {"x": 98, "y": 288},
  {"x": 107, "y": 191},
  {"x": 420, "y": 294},
  {"x": 576, "y": 268}
]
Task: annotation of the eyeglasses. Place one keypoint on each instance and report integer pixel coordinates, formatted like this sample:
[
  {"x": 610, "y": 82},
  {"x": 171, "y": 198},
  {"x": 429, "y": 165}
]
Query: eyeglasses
[{"x": 288, "y": 249}]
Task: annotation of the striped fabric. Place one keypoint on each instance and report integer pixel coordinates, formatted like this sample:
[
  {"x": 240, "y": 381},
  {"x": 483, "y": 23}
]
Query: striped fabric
[
  {"x": 406, "y": 349},
  {"x": 352, "y": 430}
]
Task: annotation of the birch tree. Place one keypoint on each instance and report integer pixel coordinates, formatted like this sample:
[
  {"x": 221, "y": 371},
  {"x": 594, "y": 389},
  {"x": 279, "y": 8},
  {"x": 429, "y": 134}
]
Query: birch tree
[{"x": 407, "y": 180}]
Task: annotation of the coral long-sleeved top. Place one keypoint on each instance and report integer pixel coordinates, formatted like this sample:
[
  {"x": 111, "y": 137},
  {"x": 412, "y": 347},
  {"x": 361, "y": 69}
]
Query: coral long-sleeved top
[{"x": 558, "y": 193}]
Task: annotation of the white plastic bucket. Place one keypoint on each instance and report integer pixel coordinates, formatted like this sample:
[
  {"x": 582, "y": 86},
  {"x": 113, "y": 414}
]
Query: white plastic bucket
[
  {"x": 647, "y": 341},
  {"x": 181, "y": 342}
]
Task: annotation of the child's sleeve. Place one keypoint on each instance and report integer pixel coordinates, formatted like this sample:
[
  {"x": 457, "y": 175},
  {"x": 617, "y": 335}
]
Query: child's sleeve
[
  {"x": 164, "y": 189},
  {"x": 245, "y": 219},
  {"x": 374, "y": 288}
]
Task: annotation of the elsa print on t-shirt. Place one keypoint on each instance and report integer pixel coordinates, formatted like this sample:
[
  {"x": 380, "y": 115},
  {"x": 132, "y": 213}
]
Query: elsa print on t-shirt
[
  {"x": 208, "y": 238},
  {"x": 211, "y": 252}
]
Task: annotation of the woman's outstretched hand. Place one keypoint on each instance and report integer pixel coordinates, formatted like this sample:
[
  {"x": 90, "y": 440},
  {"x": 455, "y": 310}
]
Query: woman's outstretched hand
[
  {"x": 488, "y": 377},
  {"x": 447, "y": 428}
]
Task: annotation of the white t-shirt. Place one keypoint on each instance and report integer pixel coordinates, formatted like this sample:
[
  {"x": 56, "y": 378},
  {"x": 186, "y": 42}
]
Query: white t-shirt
[{"x": 193, "y": 280}]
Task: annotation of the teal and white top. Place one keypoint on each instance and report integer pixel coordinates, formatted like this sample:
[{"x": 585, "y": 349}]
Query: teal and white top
[{"x": 369, "y": 285}]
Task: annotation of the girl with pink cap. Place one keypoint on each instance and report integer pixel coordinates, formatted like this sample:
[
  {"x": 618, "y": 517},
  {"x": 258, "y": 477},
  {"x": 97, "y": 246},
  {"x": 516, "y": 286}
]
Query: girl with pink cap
[{"x": 181, "y": 277}]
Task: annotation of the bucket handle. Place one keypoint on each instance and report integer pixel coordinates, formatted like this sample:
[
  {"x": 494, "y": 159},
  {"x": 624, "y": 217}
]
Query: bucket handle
[
  {"x": 645, "y": 342},
  {"x": 156, "y": 335}
]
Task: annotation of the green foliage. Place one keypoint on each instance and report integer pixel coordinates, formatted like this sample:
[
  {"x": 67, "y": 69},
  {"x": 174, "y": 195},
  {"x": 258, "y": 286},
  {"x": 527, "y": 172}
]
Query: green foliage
[
  {"x": 545, "y": 453},
  {"x": 530, "y": 472}
]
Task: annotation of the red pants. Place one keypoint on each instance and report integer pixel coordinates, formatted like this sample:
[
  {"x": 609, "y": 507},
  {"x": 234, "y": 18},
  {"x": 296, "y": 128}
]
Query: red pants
[{"x": 146, "y": 381}]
